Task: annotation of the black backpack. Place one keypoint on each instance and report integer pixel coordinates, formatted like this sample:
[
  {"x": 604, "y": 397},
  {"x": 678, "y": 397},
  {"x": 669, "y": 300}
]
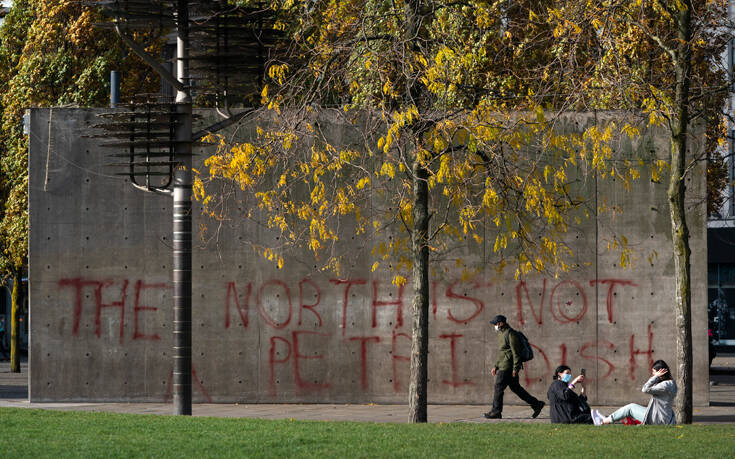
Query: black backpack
[{"x": 526, "y": 353}]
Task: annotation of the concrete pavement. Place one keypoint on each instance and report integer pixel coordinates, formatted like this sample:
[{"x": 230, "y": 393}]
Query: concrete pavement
[{"x": 14, "y": 394}]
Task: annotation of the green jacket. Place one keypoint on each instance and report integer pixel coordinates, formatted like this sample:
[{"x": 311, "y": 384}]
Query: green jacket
[{"x": 509, "y": 350}]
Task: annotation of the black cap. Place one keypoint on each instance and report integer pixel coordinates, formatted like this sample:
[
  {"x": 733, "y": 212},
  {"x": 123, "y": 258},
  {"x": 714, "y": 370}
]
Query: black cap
[{"x": 499, "y": 318}]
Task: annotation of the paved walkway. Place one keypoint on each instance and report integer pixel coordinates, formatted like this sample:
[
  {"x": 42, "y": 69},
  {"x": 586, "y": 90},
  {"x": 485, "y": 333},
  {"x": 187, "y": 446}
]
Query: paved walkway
[{"x": 14, "y": 393}]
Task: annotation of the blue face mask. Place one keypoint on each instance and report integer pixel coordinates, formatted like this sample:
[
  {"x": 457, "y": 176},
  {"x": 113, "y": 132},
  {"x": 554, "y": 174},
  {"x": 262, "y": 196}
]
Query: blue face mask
[{"x": 566, "y": 377}]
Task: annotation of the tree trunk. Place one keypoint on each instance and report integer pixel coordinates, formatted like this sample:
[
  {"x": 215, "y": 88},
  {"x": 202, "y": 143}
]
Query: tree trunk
[
  {"x": 417, "y": 389},
  {"x": 15, "y": 323},
  {"x": 679, "y": 229}
]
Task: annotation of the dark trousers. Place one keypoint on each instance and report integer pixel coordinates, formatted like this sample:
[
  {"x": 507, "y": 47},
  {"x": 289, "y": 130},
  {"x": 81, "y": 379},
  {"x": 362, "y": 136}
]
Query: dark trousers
[{"x": 503, "y": 379}]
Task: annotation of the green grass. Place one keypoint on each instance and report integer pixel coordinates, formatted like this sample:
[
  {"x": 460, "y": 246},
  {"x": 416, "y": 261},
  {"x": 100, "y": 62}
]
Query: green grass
[{"x": 41, "y": 433}]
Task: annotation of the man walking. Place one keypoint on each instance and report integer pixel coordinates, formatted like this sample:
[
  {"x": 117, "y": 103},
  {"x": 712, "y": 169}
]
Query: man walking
[{"x": 506, "y": 370}]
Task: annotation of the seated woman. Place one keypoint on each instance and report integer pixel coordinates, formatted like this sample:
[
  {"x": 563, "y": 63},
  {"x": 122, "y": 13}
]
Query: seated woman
[
  {"x": 565, "y": 405},
  {"x": 660, "y": 409}
]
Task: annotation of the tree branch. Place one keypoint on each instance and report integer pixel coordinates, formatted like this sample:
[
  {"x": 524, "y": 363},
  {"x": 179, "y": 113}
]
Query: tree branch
[
  {"x": 658, "y": 41},
  {"x": 221, "y": 125},
  {"x": 150, "y": 60}
]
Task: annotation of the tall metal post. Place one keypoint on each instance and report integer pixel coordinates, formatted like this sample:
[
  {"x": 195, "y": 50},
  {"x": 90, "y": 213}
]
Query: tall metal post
[
  {"x": 114, "y": 88},
  {"x": 182, "y": 223},
  {"x": 159, "y": 158}
]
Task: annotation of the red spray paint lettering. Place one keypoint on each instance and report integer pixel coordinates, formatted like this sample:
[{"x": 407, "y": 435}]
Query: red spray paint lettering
[
  {"x": 310, "y": 307},
  {"x": 348, "y": 284},
  {"x": 364, "y": 340},
  {"x": 272, "y": 360},
  {"x": 532, "y": 379},
  {"x": 569, "y": 303},
  {"x": 261, "y": 309},
  {"x": 194, "y": 377},
  {"x": 596, "y": 356},
  {"x": 140, "y": 287},
  {"x": 519, "y": 303},
  {"x": 454, "y": 382},
  {"x": 244, "y": 310},
  {"x": 293, "y": 353},
  {"x": 634, "y": 352},
  {"x": 397, "y": 358},
  {"x": 79, "y": 285},
  {"x": 479, "y": 305},
  {"x": 611, "y": 292},
  {"x": 398, "y": 303}
]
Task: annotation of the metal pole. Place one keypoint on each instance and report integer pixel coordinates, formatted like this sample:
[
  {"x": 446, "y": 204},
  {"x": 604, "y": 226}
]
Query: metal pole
[
  {"x": 114, "y": 88},
  {"x": 182, "y": 224}
]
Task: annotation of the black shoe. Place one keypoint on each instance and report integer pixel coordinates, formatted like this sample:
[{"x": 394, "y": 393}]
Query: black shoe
[
  {"x": 538, "y": 409},
  {"x": 491, "y": 415}
]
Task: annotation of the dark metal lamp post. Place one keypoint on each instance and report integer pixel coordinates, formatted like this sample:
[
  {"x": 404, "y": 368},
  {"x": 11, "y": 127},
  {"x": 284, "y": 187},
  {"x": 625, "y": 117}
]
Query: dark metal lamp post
[{"x": 231, "y": 46}]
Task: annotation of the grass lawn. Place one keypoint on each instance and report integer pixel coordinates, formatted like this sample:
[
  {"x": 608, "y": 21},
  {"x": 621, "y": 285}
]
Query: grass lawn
[{"x": 41, "y": 433}]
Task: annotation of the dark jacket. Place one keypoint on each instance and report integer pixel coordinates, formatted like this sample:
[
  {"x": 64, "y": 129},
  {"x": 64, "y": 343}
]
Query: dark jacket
[
  {"x": 565, "y": 406},
  {"x": 509, "y": 350}
]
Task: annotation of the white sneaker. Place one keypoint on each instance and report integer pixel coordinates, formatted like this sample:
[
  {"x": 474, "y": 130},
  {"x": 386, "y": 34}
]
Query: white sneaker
[{"x": 597, "y": 418}]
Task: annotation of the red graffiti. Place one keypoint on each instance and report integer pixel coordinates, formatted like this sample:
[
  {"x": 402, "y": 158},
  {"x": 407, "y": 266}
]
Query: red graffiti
[
  {"x": 99, "y": 288},
  {"x": 562, "y": 317},
  {"x": 137, "y": 307},
  {"x": 398, "y": 303},
  {"x": 348, "y": 284},
  {"x": 310, "y": 307},
  {"x": 194, "y": 377},
  {"x": 596, "y": 356},
  {"x": 560, "y": 307},
  {"x": 636, "y": 352},
  {"x": 563, "y": 351},
  {"x": 519, "y": 303},
  {"x": 297, "y": 356},
  {"x": 363, "y": 355},
  {"x": 243, "y": 310},
  {"x": 479, "y": 305},
  {"x": 584, "y": 352},
  {"x": 299, "y": 350},
  {"x": 397, "y": 358},
  {"x": 454, "y": 382},
  {"x": 261, "y": 309},
  {"x": 272, "y": 361},
  {"x": 115, "y": 304},
  {"x": 79, "y": 285},
  {"x": 611, "y": 292},
  {"x": 294, "y": 354},
  {"x": 530, "y": 380}
]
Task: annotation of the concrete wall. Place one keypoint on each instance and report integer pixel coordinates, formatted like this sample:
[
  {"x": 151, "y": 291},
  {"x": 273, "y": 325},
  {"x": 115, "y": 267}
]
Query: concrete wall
[{"x": 100, "y": 293}]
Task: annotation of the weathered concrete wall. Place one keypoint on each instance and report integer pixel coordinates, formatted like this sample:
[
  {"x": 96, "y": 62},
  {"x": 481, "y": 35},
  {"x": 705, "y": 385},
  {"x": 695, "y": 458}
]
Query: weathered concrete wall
[{"x": 100, "y": 292}]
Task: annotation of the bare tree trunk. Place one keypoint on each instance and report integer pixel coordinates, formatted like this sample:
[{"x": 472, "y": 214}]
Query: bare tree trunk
[
  {"x": 679, "y": 229},
  {"x": 15, "y": 300},
  {"x": 417, "y": 386},
  {"x": 417, "y": 389}
]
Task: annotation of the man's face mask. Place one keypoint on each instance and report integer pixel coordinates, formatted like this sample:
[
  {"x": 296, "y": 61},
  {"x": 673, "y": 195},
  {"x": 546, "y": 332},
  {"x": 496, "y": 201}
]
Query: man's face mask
[
  {"x": 566, "y": 377},
  {"x": 497, "y": 328}
]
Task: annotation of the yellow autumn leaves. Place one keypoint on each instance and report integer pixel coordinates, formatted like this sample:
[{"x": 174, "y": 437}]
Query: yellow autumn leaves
[
  {"x": 500, "y": 172},
  {"x": 312, "y": 192}
]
